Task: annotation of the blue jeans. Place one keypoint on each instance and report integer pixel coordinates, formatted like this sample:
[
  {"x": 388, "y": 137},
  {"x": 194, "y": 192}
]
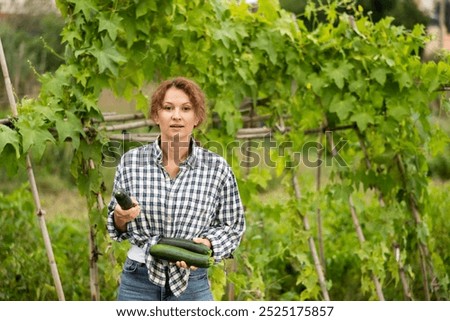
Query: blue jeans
[{"x": 135, "y": 286}]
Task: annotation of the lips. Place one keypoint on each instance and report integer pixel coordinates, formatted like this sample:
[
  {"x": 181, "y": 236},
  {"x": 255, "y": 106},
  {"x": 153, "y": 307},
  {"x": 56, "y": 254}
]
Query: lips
[{"x": 176, "y": 126}]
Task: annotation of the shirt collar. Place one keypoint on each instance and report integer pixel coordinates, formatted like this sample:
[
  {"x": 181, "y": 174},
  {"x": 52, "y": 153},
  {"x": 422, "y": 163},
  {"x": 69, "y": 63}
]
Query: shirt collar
[{"x": 191, "y": 161}]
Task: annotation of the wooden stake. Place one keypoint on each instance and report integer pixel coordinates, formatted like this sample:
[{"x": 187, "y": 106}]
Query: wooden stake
[
  {"x": 423, "y": 249},
  {"x": 318, "y": 211},
  {"x": 401, "y": 270},
  {"x": 93, "y": 249},
  {"x": 133, "y": 125},
  {"x": 357, "y": 225},
  {"x": 312, "y": 245},
  {"x": 39, "y": 211}
]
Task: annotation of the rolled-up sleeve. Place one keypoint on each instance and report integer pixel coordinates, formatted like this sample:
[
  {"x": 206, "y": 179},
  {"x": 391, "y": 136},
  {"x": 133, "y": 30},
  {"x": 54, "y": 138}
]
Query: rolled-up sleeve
[{"x": 229, "y": 225}]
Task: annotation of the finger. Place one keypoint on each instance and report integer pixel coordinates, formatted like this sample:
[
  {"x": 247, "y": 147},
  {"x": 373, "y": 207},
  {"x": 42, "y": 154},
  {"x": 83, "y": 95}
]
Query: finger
[
  {"x": 134, "y": 201},
  {"x": 127, "y": 215},
  {"x": 118, "y": 209},
  {"x": 202, "y": 241},
  {"x": 132, "y": 213},
  {"x": 120, "y": 212}
]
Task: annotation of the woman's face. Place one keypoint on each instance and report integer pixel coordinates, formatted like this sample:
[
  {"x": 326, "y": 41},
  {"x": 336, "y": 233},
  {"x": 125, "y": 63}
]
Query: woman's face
[{"x": 177, "y": 116}]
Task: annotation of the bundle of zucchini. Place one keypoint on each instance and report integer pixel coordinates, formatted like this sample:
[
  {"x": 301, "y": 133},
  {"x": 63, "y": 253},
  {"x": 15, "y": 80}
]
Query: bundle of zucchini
[{"x": 175, "y": 249}]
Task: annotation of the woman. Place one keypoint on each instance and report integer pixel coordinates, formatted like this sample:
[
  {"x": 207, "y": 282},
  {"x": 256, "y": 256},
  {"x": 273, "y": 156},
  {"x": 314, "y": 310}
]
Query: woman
[{"x": 179, "y": 190}]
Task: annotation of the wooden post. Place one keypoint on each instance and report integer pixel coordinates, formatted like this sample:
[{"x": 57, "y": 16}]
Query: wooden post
[{"x": 39, "y": 210}]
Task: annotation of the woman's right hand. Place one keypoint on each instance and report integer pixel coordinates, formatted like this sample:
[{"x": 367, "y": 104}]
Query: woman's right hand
[{"x": 122, "y": 217}]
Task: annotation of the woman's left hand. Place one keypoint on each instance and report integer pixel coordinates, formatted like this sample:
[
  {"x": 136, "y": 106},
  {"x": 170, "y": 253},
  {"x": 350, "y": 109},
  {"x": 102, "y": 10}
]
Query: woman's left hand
[
  {"x": 182, "y": 264},
  {"x": 202, "y": 241}
]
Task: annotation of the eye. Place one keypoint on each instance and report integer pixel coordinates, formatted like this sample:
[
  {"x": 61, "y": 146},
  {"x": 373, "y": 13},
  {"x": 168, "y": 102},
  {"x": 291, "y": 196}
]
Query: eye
[
  {"x": 187, "y": 108},
  {"x": 167, "y": 107}
]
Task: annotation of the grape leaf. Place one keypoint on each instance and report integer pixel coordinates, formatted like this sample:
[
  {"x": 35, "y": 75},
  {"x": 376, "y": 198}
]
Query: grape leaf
[
  {"x": 34, "y": 134},
  {"x": 11, "y": 137},
  {"x": 362, "y": 120},
  {"x": 107, "y": 56},
  {"x": 110, "y": 23},
  {"x": 69, "y": 127}
]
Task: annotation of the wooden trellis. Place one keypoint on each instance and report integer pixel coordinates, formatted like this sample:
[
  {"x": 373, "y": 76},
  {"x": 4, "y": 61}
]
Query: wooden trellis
[{"x": 121, "y": 127}]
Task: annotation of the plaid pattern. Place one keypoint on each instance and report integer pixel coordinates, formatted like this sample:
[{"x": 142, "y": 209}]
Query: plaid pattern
[{"x": 202, "y": 201}]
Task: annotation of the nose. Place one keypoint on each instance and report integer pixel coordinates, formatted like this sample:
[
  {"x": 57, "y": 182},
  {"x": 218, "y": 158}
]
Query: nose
[{"x": 176, "y": 113}]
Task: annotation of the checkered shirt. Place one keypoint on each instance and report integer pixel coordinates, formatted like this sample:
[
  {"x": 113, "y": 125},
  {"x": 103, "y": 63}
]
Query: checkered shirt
[{"x": 202, "y": 201}]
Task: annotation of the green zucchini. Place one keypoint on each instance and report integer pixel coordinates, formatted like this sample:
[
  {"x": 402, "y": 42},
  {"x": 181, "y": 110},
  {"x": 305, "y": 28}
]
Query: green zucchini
[
  {"x": 123, "y": 199},
  {"x": 186, "y": 244},
  {"x": 173, "y": 253}
]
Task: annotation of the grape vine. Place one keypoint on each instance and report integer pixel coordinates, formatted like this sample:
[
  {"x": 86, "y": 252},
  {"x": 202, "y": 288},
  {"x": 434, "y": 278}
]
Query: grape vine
[{"x": 343, "y": 72}]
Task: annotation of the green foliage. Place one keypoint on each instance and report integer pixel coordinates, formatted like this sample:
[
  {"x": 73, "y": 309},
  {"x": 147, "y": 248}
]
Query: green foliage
[
  {"x": 346, "y": 71},
  {"x": 32, "y": 44},
  {"x": 25, "y": 273},
  {"x": 18, "y": 281}
]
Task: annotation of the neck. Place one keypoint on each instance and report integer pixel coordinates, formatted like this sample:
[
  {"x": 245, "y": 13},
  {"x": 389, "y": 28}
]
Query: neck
[{"x": 174, "y": 151}]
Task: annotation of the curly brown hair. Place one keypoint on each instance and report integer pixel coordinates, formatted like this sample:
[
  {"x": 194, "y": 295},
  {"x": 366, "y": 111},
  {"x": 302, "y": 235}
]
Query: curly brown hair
[{"x": 190, "y": 88}]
